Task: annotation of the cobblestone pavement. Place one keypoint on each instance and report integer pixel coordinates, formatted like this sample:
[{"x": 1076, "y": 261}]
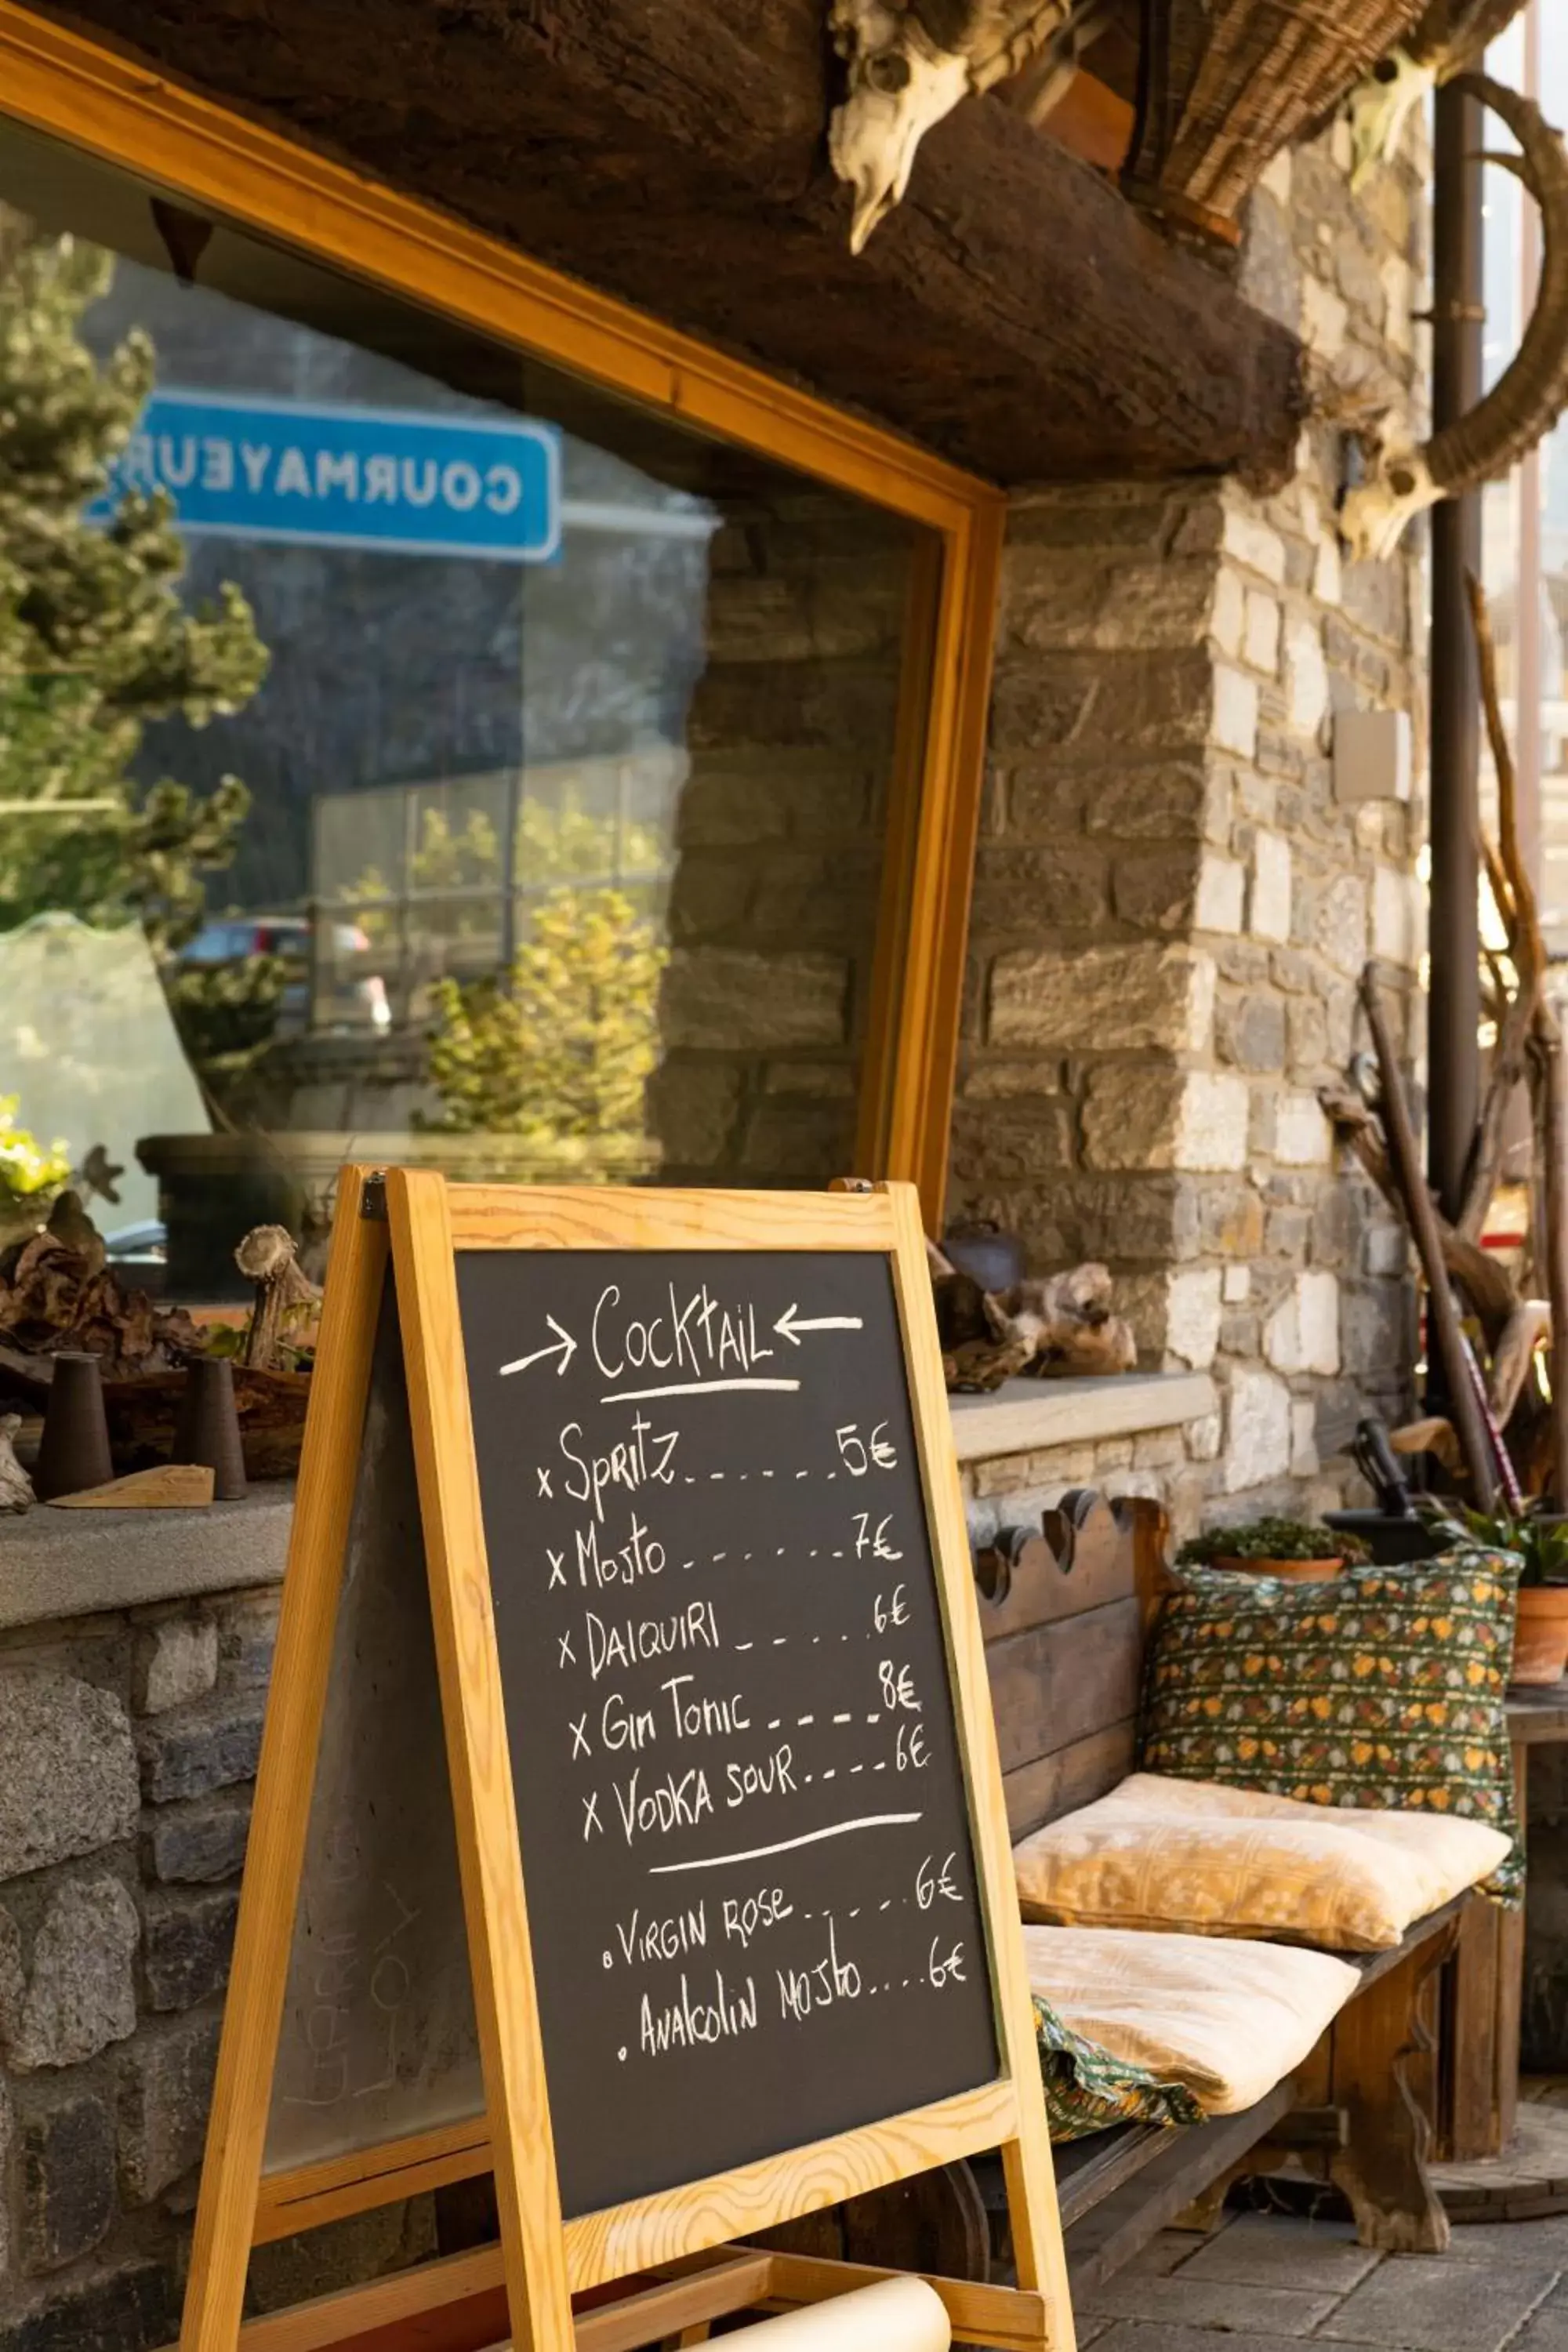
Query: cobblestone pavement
[{"x": 1265, "y": 2282}]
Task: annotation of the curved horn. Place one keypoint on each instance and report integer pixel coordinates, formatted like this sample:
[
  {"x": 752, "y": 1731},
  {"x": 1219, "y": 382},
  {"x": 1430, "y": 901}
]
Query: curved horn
[{"x": 1526, "y": 401}]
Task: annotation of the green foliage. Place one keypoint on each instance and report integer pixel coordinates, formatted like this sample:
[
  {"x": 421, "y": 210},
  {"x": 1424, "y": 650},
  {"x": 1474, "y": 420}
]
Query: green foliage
[
  {"x": 31, "y": 1173},
  {"x": 553, "y": 845},
  {"x": 94, "y": 640},
  {"x": 566, "y": 1050},
  {"x": 1538, "y": 1538},
  {"x": 1270, "y": 1540}
]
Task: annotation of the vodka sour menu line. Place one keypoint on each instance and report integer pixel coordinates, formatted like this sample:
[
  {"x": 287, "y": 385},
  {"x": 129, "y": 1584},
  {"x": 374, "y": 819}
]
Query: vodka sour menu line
[{"x": 752, "y": 1890}]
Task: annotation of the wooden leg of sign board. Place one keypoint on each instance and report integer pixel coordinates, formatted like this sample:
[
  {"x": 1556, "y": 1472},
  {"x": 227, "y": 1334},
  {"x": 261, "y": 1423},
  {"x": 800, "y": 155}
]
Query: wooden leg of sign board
[
  {"x": 1027, "y": 2154},
  {"x": 500, "y": 1952},
  {"x": 236, "y": 2132}
]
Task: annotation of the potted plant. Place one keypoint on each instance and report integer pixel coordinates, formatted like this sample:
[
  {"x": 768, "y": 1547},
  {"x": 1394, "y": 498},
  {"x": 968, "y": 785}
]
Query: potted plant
[
  {"x": 1302, "y": 1551},
  {"x": 1539, "y": 1538},
  {"x": 32, "y": 1176}
]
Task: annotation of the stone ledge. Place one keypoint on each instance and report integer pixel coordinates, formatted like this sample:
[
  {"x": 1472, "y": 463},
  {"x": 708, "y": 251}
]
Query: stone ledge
[
  {"x": 1028, "y": 1416},
  {"x": 81, "y": 1563}
]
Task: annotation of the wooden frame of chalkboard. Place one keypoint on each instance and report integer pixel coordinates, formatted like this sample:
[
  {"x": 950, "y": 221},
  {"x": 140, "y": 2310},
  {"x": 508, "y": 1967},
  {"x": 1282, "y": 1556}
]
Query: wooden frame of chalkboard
[{"x": 453, "y": 1251}]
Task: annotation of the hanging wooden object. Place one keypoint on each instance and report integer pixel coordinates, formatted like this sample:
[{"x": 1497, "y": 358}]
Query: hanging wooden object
[{"x": 1224, "y": 85}]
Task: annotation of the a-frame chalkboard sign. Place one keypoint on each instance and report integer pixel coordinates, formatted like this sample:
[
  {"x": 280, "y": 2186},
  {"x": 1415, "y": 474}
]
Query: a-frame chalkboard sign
[{"x": 644, "y": 1505}]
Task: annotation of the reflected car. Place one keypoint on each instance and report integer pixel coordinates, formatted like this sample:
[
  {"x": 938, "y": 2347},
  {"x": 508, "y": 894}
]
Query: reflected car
[{"x": 347, "y": 997}]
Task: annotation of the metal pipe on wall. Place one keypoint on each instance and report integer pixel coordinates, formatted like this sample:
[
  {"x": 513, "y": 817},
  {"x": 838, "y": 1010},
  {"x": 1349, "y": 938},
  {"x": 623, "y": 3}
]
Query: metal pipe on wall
[{"x": 1453, "y": 1010}]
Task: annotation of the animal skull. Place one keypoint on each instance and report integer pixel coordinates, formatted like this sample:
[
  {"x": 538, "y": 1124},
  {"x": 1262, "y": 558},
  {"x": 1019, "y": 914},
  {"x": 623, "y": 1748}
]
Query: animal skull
[
  {"x": 1381, "y": 106},
  {"x": 1377, "y": 513},
  {"x": 900, "y": 85}
]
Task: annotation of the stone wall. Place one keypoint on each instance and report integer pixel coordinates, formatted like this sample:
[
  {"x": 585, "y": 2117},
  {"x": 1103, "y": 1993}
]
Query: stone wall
[
  {"x": 127, "y": 1748},
  {"x": 1171, "y": 908}
]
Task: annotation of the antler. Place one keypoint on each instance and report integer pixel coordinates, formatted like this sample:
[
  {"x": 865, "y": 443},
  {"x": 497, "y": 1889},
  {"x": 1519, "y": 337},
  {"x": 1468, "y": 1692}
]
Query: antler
[{"x": 1525, "y": 403}]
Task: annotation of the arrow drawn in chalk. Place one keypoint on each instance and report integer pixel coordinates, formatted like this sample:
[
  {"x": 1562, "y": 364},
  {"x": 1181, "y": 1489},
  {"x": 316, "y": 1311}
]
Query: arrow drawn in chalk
[
  {"x": 792, "y": 1323},
  {"x": 563, "y": 1344}
]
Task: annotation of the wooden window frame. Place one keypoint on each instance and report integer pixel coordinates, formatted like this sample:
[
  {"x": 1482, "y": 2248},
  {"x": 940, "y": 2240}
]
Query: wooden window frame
[{"x": 128, "y": 116}]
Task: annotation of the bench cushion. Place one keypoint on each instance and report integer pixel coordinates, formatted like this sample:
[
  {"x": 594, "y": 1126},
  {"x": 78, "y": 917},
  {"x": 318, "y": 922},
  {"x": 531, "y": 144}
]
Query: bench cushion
[
  {"x": 1229, "y": 2020},
  {"x": 1089, "y": 2089},
  {"x": 1202, "y": 1859},
  {"x": 1384, "y": 1689}
]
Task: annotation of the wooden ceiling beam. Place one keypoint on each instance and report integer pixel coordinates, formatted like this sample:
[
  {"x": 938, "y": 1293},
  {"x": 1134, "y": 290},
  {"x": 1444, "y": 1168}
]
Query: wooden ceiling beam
[{"x": 1013, "y": 314}]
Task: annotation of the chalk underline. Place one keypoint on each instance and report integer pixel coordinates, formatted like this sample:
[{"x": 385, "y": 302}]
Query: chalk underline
[
  {"x": 689, "y": 1388},
  {"x": 786, "y": 1845}
]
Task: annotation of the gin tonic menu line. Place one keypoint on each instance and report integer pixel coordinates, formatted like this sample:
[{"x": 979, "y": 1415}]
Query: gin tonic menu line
[{"x": 739, "y": 1790}]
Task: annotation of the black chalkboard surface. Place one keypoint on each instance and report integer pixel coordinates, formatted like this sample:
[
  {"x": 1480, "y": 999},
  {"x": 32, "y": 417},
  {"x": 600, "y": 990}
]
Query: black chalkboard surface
[{"x": 751, "y": 1892}]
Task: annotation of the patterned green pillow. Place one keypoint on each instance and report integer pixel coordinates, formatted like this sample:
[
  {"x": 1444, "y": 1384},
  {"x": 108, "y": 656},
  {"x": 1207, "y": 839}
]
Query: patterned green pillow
[
  {"x": 1383, "y": 1689},
  {"x": 1088, "y": 2090}
]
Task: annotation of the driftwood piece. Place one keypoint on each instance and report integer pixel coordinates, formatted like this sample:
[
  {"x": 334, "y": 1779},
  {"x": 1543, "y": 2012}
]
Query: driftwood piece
[
  {"x": 1480, "y": 1274},
  {"x": 1529, "y": 1323},
  {"x": 167, "y": 1487},
  {"x": 57, "y": 1292},
  {"x": 268, "y": 1258},
  {"x": 1404, "y": 1162},
  {"x": 15, "y": 1487},
  {"x": 1434, "y": 1435}
]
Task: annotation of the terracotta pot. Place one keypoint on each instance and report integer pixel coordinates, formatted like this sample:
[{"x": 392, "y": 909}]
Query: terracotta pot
[
  {"x": 1541, "y": 1634},
  {"x": 1293, "y": 1571}
]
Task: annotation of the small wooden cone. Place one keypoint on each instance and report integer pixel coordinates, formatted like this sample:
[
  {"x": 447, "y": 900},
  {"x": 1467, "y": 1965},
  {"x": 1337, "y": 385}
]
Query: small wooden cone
[
  {"x": 74, "y": 1450},
  {"x": 207, "y": 1429}
]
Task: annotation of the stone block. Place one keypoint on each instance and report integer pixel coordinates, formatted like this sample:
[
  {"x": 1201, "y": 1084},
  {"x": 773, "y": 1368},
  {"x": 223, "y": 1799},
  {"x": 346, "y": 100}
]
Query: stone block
[
  {"x": 1159, "y": 1449},
  {"x": 1307, "y": 1035},
  {"x": 1203, "y": 1438},
  {"x": 1325, "y": 319},
  {"x": 692, "y": 1107},
  {"x": 188, "y": 1941},
  {"x": 1222, "y": 888},
  {"x": 1250, "y": 1031},
  {"x": 1279, "y": 2250},
  {"x": 1237, "y": 1284},
  {"x": 1144, "y": 996},
  {"x": 996, "y": 1081},
  {"x": 1163, "y": 801},
  {"x": 1141, "y": 1118},
  {"x": 1304, "y": 1439},
  {"x": 797, "y": 1143},
  {"x": 125, "y": 2312},
  {"x": 1269, "y": 906},
  {"x": 192, "y": 1750},
  {"x": 1428, "y": 2304},
  {"x": 247, "y": 1637},
  {"x": 1180, "y": 2301},
  {"x": 735, "y": 1000},
  {"x": 1374, "y": 1329},
  {"x": 1249, "y": 541},
  {"x": 1234, "y": 716},
  {"x": 1393, "y": 931},
  {"x": 82, "y": 1993},
  {"x": 65, "y": 2167},
  {"x": 1339, "y": 927},
  {"x": 1173, "y": 1313},
  {"x": 1227, "y": 618},
  {"x": 1302, "y": 1136},
  {"x": 1261, "y": 641},
  {"x": 1257, "y": 1430},
  {"x": 1385, "y": 1249},
  {"x": 176, "y": 1662},
  {"x": 1005, "y": 1142},
  {"x": 68, "y": 1770},
  {"x": 1306, "y": 677},
  {"x": 199, "y": 1842},
  {"x": 1157, "y": 892},
  {"x": 165, "y": 2090},
  {"x": 1303, "y": 1335}
]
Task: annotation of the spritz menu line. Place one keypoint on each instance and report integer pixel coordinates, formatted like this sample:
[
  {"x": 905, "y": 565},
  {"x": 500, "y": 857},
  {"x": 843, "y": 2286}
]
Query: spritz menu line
[{"x": 745, "y": 1833}]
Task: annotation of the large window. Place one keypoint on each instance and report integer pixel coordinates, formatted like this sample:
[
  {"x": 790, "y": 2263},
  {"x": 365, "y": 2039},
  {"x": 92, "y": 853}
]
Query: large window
[{"x": 410, "y": 749}]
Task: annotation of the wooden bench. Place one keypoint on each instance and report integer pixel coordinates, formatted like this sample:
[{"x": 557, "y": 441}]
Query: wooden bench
[{"x": 1065, "y": 1613}]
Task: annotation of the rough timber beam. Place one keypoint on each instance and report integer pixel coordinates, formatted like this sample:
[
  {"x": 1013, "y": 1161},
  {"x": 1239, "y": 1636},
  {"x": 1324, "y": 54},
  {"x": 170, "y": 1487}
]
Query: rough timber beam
[{"x": 1013, "y": 314}]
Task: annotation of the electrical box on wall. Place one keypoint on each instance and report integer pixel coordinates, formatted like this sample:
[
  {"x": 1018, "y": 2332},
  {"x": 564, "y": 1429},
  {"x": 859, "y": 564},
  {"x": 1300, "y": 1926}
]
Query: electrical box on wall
[{"x": 1372, "y": 756}]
